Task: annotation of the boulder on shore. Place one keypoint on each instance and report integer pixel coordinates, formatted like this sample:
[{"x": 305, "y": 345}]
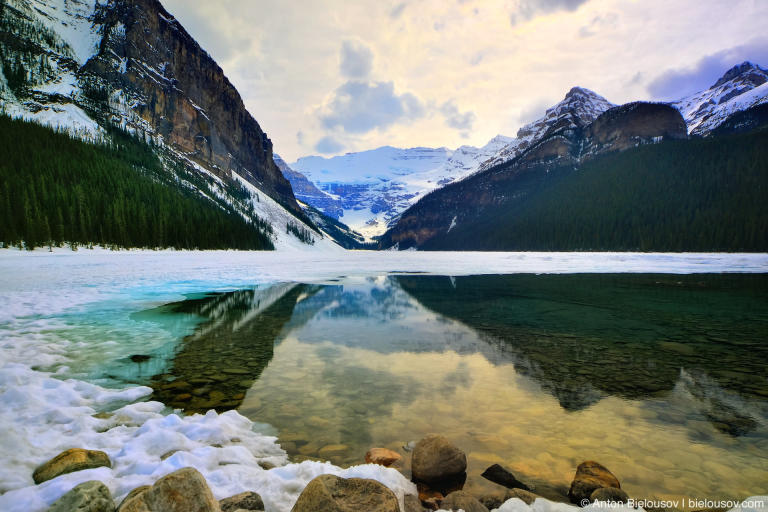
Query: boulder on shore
[
  {"x": 460, "y": 500},
  {"x": 133, "y": 502},
  {"x": 501, "y": 476},
  {"x": 248, "y": 500},
  {"x": 69, "y": 461},
  {"x": 590, "y": 475},
  {"x": 330, "y": 493},
  {"x": 382, "y": 457},
  {"x": 435, "y": 458},
  {"x": 91, "y": 496},
  {"x": 184, "y": 490}
]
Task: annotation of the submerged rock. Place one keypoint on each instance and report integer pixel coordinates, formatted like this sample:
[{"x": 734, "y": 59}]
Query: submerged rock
[
  {"x": 382, "y": 457},
  {"x": 74, "y": 459},
  {"x": 330, "y": 493},
  {"x": 501, "y": 476},
  {"x": 435, "y": 458},
  {"x": 91, "y": 496},
  {"x": 460, "y": 500},
  {"x": 244, "y": 501},
  {"x": 495, "y": 500},
  {"x": 611, "y": 494},
  {"x": 332, "y": 450},
  {"x": 590, "y": 475}
]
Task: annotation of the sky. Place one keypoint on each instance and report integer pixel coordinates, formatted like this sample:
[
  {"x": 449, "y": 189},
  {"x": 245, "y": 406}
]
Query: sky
[{"x": 326, "y": 77}]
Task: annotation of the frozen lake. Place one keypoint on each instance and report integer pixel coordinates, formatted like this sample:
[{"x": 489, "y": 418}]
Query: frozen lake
[{"x": 588, "y": 363}]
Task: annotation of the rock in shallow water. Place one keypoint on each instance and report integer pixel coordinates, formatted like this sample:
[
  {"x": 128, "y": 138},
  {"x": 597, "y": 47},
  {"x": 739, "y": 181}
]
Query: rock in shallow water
[
  {"x": 74, "y": 459},
  {"x": 330, "y": 493},
  {"x": 610, "y": 494},
  {"x": 91, "y": 496},
  {"x": 435, "y": 458},
  {"x": 501, "y": 476},
  {"x": 382, "y": 457},
  {"x": 590, "y": 475}
]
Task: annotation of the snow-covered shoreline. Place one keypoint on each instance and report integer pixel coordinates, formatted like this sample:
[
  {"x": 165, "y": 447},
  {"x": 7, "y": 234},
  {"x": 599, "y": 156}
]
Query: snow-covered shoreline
[{"x": 44, "y": 412}]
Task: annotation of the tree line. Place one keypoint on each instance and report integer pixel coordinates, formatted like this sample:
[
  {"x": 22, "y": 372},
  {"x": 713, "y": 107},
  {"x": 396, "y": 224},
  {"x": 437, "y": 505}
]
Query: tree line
[{"x": 56, "y": 189}]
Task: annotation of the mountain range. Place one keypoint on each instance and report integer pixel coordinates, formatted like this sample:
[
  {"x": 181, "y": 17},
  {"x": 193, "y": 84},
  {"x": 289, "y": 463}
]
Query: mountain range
[{"x": 370, "y": 190}]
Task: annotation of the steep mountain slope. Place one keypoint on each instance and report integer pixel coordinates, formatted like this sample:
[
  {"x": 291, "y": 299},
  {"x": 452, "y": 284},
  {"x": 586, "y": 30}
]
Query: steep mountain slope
[
  {"x": 741, "y": 87},
  {"x": 695, "y": 195},
  {"x": 369, "y": 189},
  {"x": 306, "y": 191},
  {"x": 436, "y": 218},
  {"x": 83, "y": 65}
]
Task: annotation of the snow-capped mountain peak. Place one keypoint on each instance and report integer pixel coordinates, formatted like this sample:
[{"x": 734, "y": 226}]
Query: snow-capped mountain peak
[
  {"x": 746, "y": 72},
  {"x": 577, "y": 110},
  {"x": 741, "y": 87},
  {"x": 368, "y": 190}
]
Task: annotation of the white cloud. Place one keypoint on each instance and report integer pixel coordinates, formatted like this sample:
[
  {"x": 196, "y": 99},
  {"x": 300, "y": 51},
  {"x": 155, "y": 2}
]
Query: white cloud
[{"x": 359, "y": 107}]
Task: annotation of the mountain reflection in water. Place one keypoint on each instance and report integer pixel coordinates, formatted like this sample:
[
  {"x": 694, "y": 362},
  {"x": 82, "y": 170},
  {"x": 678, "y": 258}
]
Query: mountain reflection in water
[{"x": 651, "y": 368}]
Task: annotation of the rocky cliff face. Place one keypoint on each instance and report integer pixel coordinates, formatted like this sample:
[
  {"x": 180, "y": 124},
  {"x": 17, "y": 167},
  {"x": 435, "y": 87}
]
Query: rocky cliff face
[
  {"x": 633, "y": 124},
  {"x": 81, "y": 64},
  {"x": 176, "y": 90},
  {"x": 563, "y": 145}
]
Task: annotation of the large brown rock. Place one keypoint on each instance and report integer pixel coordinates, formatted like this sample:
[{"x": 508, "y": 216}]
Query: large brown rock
[
  {"x": 412, "y": 503},
  {"x": 435, "y": 458},
  {"x": 74, "y": 459},
  {"x": 590, "y": 475},
  {"x": 382, "y": 457},
  {"x": 460, "y": 500},
  {"x": 184, "y": 490},
  {"x": 244, "y": 501},
  {"x": 91, "y": 496},
  {"x": 330, "y": 493},
  {"x": 134, "y": 500}
]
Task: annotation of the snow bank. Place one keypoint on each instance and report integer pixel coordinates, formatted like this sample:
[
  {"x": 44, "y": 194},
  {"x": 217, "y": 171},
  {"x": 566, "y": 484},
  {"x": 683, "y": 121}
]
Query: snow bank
[{"x": 42, "y": 416}]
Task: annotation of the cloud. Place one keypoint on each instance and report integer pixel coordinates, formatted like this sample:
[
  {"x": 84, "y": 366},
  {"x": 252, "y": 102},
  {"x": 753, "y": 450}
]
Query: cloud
[
  {"x": 398, "y": 10},
  {"x": 597, "y": 23},
  {"x": 356, "y": 60},
  {"x": 328, "y": 145},
  {"x": 359, "y": 107},
  {"x": 674, "y": 84},
  {"x": 462, "y": 121},
  {"x": 535, "y": 110},
  {"x": 526, "y": 10},
  {"x": 300, "y": 138}
]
